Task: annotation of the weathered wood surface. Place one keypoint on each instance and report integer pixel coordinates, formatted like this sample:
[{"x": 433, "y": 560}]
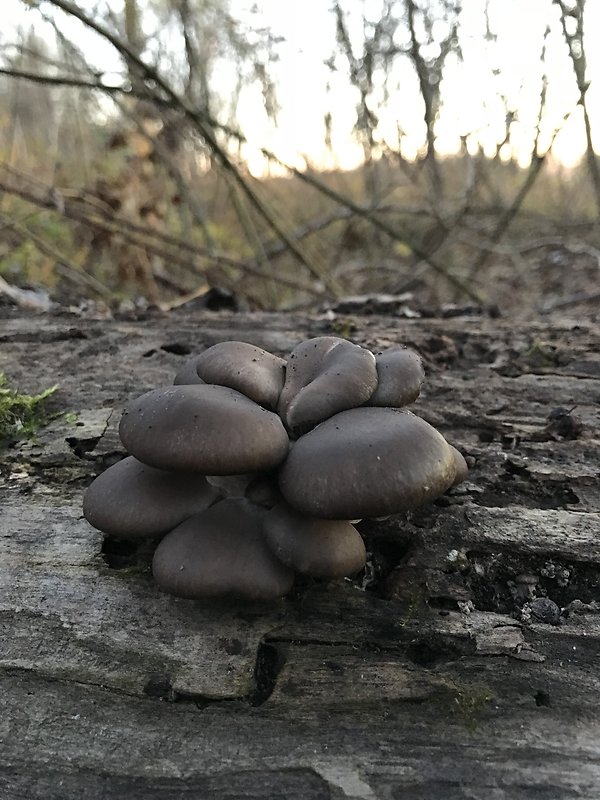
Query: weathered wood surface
[{"x": 428, "y": 677}]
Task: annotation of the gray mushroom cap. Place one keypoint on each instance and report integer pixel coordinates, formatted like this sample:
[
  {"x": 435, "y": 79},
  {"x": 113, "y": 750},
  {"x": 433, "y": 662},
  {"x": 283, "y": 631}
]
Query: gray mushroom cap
[
  {"x": 248, "y": 369},
  {"x": 367, "y": 462},
  {"x": 460, "y": 466},
  {"x": 325, "y": 375},
  {"x": 400, "y": 375},
  {"x": 321, "y": 548},
  {"x": 187, "y": 375},
  {"x": 133, "y": 500},
  {"x": 209, "y": 429},
  {"x": 221, "y": 552}
]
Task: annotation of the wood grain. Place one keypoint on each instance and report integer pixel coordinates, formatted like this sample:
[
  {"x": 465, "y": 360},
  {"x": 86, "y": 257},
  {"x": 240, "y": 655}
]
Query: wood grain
[{"x": 426, "y": 677}]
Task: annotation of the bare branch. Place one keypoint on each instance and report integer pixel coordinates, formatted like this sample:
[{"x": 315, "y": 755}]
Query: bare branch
[
  {"x": 175, "y": 250},
  {"x": 575, "y": 43},
  {"x": 427, "y": 93},
  {"x": 69, "y": 81},
  {"x": 148, "y": 76},
  {"x": 504, "y": 222},
  {"x": 394, "y": 234},
  {"x": 62, "y": 265}
]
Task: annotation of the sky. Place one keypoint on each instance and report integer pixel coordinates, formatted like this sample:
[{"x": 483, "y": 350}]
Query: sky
[
  {"x": 470, "y": 90},
  {"x": 469, "y": 104}
]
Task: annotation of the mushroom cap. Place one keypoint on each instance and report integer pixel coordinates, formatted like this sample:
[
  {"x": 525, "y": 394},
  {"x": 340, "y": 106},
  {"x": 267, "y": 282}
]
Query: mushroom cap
[
  {"x": 460, "y": 465},
  {"x": 367, "y": 462},
  {"x": 187, "y": 375},
  {"x": 133, "y": 500},
  {"x": 221, "y": 552},
  {"x": 248, "y": 369},
  {"x": 324, "y": 376},
  {"x": 322, "y": 548},
  {"x": 209, "y": 429},
  {"x": 400, "y": 376}
]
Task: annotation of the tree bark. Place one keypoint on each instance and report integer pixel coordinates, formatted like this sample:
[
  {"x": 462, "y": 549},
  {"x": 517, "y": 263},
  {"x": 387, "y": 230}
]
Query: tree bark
[{"x": 435, "y": 675}]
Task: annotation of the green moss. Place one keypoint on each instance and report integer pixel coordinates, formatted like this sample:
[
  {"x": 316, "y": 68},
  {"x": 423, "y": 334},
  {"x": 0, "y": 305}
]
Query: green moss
[
  {"x": 416, "y": 600},
  {"x": 342, "y": 327},
  {"x": 21, "y": 415},
  {"x": 468, "y": 703},
  {"x": 541, "y": 354},
  {"x": 134, "y": 569}
]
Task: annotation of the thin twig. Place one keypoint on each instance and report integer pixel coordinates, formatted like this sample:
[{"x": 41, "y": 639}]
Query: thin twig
[
  {"x": 537, "y": 162},
  {"x": 73, "y": 82},
  {"x": 62, "y": 265},
  {"x": 566, "y": 302},
  {"x": 427, "y": 93},
  {"x": 141, "y": 237},
  {"x": 201, "y": 120},
  {"x": 577, "y": 54},
  {"x": 392, "y": 232},
  {"x": 534, "y": 244},
  {"x": 52, "y": 197}
]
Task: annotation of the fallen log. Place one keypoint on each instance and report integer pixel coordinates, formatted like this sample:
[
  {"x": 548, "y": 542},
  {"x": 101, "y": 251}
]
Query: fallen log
[{"x": 462, "y": 663}]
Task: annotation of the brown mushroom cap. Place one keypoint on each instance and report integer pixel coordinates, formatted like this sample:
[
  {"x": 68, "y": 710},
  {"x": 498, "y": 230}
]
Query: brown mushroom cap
[
  {"x": 322, "y": 548},
  {"x": 209, "y": 429},
  {"x": 400, "y": 376},
  {"x": 241, "y": 366},
  {"x": 367, "y": 462},
  {"x": 133, "y": 500},
  {"x": 221, "y": 553},
  {"x": 325, "y": 375}
]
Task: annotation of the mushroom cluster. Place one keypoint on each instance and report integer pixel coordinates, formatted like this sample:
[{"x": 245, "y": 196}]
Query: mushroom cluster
[{"x": 251, "y": 468}]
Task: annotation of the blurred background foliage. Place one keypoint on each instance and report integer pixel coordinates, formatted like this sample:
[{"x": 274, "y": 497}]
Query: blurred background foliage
[{"x": 129, "y": 176}]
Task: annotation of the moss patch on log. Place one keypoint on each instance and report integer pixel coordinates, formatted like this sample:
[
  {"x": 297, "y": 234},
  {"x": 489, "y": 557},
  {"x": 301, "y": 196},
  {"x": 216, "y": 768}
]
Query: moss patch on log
[{"x": 21, "y": 415}]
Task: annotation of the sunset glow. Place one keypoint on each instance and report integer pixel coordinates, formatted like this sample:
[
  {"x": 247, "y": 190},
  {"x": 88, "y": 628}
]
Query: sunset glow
[{"x": 471, "y": 90}]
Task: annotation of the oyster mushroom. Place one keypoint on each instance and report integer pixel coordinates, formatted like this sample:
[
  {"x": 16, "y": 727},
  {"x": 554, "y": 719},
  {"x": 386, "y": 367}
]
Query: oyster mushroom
[
  {"x": 248, "y": 369},
  {"x": 460, "y": 466},
  {"x": 221, "y": 552},
  {"x": 321, "y": 548},
  {"x": 133, "y": 500},
  {"x": 400, "y": 375},
  {"x": 187, "y": 375},
  {"x": 209, "y": 429},
  {"x": 287, "y": 504},
  {"x": 367, "y": 462},
  {"x": 325, "y": 375}
]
